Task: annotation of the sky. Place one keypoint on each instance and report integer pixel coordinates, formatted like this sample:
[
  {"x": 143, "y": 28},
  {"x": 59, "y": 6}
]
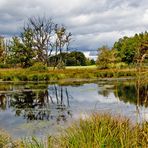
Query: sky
[{"x": 93, "y": 23}]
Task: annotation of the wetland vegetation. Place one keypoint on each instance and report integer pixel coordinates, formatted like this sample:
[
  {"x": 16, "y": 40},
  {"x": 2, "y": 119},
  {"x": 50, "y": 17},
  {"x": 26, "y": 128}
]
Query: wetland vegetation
[
  {"x": 39, "y": 107},
  {"x": 96, "y": 131},
  {"x": 40, "y": 96}
]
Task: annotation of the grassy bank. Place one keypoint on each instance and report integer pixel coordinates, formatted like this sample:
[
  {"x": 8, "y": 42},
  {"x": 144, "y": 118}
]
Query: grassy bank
[
  {"x": 54, "y": 75},
  {"x": 7, "y": 142},
  {"x": 96, "y": 131},
  {"x": 81, "y": 67},
  {"x": 105, "y": 131}
]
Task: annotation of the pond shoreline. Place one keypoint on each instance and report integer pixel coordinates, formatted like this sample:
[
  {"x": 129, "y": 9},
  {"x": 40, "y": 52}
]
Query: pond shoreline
[
  {"x": 85, "y": 80},
  {"x": 117, "y": 132},
  {"x": 116, "y": 94},
  {"x": 25, "y": 75}
]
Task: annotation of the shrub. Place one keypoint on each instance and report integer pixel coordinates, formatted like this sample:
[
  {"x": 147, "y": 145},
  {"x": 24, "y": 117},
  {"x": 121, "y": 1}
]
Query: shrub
[
  {"x": 22, "y": 77},
  {"x": 2, "y": 65},
  {"x": 43, "y": 77},
  {"x": 7, "y": 78},
  {"x": 121, "y": 65},
  {"x": 38, "y": 67},
  {"x": 33, "y": 77},
  {"x": 102, "y": 65},
  {"x": 61, "y": 65}
]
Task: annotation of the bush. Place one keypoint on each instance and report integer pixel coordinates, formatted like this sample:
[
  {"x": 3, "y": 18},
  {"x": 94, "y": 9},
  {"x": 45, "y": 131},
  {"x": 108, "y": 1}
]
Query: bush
[
  {"x": 2, "y": 65},
  {"x": 33, "y": 77},
  {"x": 8, "y": 78},
  {"x": 61, "y": 65},
  {"x": 121, "y": 65},
  {"x": 22, "y": 77},
  {"x": 43, "y": 77},
  {"x": 38, "y": 67}
]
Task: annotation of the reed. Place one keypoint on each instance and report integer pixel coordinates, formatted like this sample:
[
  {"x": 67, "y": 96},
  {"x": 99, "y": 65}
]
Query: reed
[
  {"x": 97, "y": 131},
  {"x": 101, "y": 131},
  {"x": 55, "y": 75}
]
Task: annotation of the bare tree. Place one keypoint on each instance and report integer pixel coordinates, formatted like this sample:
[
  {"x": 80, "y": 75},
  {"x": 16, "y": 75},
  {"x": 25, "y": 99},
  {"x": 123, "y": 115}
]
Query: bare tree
[
  {"x": 62, "y": 41},
  {"x": 45, "y": 37},
  {"x": 41, "y": 30}
]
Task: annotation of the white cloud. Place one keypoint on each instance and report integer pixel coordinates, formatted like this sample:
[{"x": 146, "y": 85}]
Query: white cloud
[
  {"x": 145, "y": 17},
  {"x": 92, "y": 22}
]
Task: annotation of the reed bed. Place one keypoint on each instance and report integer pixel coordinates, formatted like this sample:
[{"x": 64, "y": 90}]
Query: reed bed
[
  {"x": 54, "y": 75},
  {"x": 97, "y": 131},
  {"x": 101, "y": 131}
]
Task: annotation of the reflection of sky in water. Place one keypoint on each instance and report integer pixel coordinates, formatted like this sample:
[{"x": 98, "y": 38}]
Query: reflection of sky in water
[
  {"x": 88, "y": 99},
  {"x": 84, "y": 100}
]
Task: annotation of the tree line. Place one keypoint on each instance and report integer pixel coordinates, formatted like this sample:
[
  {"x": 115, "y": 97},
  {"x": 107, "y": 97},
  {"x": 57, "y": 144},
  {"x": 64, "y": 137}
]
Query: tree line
[{"x": 41, "y": 40}]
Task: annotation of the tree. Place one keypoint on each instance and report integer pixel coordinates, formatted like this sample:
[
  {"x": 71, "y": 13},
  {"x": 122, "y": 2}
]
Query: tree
[
  {"x": 19, "y": 53},
  {"x": 53, "y": 60},
  {"x": 39, "y": 38},
  {"x": 106, "y": 56},
  {"x": 62, "y": 41},
  {"x": 41, "y": 30},
  {"x": 130, "y": 49},
  {"x": 126, "y": 49},
  {"x": 78, "y": 57},
  {"x": 45, "y": 37},
  {"x": 70, "y": 59},
  {"x": 142, "y": 53},
  {"x": 2, "y": 49}
]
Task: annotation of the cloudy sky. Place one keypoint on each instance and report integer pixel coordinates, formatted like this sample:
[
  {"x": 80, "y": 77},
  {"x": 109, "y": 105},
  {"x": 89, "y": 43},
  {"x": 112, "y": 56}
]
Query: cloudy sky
[{"x": 93, "y": 23}]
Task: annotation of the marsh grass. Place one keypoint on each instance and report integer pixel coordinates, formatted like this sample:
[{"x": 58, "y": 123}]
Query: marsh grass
[
  {"x": 97, "y": 131},
  {"x": 101, "y": 131},
  {"x": 33, "y": 143},
  {"x": 7, "y": 142},
  {"x": 54, "y": 75}
]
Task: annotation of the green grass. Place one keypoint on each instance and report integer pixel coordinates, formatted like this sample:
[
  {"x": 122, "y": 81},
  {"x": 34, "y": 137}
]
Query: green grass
[
  {"x": 69, "y": 73},
  {"x": 81, "y": 67},
  {"x": 6, "y": 141},
  {"x": 97, "y": 131},
  {"x": 101, "y": 131}
]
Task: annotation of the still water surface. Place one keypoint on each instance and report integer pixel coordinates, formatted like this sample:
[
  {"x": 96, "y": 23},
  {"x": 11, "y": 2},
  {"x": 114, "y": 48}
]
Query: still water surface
[{"x": 28, "y": 109}]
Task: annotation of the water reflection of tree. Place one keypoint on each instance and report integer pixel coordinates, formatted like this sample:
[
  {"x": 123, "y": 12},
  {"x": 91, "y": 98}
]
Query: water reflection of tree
[
  {"x": 104, "y": 92},
  {"x": 105, "y": 89},
  {"x": 45, "y": 104},
  {"x": 3, "y": 102},
  {"x": 128, "y": 92}
]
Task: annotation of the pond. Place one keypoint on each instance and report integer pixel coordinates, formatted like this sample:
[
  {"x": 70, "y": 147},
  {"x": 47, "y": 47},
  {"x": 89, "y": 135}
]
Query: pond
[{"x": 41, "y": 109}]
